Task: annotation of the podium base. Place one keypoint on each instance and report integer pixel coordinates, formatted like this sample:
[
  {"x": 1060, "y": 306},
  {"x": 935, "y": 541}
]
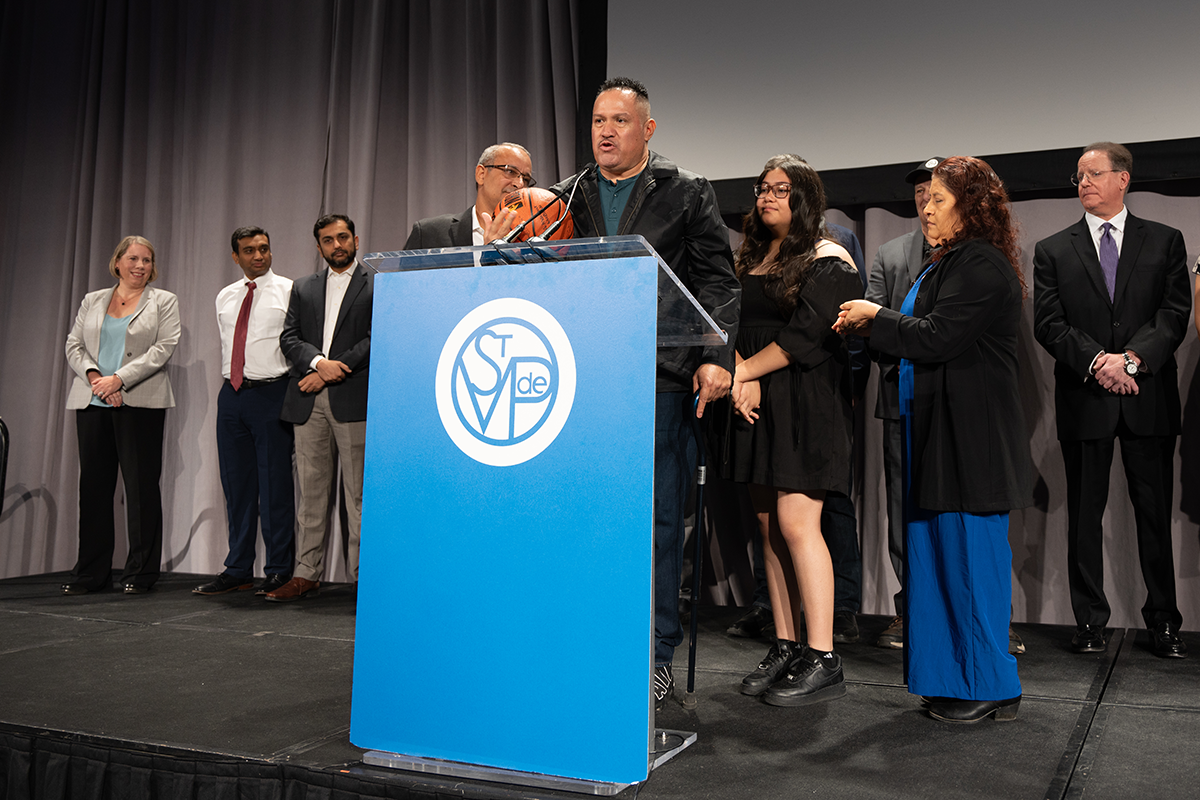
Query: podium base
[{"x": 665, "y": 745}]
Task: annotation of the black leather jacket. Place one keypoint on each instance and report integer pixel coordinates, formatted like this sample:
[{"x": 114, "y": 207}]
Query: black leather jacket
[{"x": 676, "y": 212}]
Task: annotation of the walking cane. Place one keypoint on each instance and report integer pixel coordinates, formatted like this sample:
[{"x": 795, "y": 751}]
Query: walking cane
[{"x": 689, "y": 698}]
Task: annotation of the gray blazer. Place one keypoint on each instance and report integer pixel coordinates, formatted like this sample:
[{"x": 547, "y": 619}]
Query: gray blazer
[
  {"x": 897, "y": 266},
  {"x": 149, "y": 342}
]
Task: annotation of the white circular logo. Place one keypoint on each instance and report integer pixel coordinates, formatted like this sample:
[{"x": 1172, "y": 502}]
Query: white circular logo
[{"x": 505, "y": 382}]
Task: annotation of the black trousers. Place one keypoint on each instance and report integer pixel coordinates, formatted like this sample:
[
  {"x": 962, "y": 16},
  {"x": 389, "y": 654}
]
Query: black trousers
[
  {"x": 893, "y": 483},
  {"x": 130, "y": 439},
  {"x": 1149, "y": 471}
]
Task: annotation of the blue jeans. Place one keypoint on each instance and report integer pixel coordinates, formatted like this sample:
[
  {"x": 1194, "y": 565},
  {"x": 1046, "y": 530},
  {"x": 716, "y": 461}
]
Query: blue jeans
[{"x": 674, "y": 471}]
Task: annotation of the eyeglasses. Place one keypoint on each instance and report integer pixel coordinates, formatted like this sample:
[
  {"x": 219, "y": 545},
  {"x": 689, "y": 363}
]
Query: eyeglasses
[
  {"x": 513, "y": 173},
  {"x": 1091, "y": 175},
  {"x": 780, "y": 190}
]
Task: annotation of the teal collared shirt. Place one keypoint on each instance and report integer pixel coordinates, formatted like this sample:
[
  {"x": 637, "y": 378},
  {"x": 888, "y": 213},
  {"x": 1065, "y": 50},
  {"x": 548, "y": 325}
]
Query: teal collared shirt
[{"x": 614, "y": 195}]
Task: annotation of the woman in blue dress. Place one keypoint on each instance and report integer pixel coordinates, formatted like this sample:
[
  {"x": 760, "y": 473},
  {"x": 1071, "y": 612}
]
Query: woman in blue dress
[
  {"x": 966, "y": 445},
  {"x": 791, "y": 437}
]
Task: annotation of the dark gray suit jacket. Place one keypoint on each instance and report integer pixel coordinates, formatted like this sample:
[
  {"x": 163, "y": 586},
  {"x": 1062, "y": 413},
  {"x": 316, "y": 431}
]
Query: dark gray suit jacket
[
  {"x": 302, "y": 337},
  {"x": 448, "y": 230},
  {"x": 896, "y": 268},
  {"x": 1074, "y": 319}
]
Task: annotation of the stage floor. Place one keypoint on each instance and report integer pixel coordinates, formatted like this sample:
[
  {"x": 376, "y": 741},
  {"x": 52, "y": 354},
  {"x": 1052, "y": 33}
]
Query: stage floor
[{"x": 255, "y": 687}]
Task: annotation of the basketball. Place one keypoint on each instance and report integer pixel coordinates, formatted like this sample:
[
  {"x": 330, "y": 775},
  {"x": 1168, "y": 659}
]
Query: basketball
[{"x": 528, "y": 202}]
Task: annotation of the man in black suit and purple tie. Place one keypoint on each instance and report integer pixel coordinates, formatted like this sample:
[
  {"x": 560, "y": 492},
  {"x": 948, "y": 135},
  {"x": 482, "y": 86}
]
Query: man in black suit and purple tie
[{"x": 1111, "y": 304}]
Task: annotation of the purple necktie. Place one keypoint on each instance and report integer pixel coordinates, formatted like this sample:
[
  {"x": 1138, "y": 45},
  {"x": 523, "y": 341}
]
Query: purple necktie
[{"x": 1108, "y": 259}]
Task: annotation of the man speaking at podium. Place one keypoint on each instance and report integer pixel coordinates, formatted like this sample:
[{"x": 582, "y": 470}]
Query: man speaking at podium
[{"x": 631, "y": 190}]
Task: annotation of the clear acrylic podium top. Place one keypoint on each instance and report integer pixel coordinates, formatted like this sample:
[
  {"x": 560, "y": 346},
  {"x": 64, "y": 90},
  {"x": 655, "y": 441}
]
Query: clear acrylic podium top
[{"x": 682, "y": 321}]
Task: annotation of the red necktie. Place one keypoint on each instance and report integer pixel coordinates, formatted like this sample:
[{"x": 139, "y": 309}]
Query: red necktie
[{"x": 238, "y": 362}]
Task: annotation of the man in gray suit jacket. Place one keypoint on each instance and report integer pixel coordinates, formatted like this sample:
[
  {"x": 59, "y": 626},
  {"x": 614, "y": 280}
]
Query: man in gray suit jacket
[
  {"x": 502, "y": 168},
  {"x": 326, "y": 340},
  {"x": 897, "y": 266}
]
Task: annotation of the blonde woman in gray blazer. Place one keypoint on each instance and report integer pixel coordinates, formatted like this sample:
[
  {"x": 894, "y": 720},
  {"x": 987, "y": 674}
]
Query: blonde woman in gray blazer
[{"x": 119, "y": 348}]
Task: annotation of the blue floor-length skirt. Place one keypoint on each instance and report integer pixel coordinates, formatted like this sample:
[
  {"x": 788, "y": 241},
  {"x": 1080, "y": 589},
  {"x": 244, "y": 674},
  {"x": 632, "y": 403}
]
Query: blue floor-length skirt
[{"x": 958, "y": 590}]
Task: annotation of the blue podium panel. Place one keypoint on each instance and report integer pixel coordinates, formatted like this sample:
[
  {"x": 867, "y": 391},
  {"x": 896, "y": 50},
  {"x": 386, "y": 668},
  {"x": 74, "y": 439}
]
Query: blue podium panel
[{"x": 504, "y": 601}]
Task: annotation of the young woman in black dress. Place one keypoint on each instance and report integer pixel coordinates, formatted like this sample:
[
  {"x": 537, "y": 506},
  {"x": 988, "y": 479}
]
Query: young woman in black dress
[{"x": 790, "y": 439}]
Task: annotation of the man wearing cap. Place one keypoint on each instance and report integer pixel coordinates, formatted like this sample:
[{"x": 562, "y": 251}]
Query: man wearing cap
[
  {"x": 1111, "y": 303},
  {"x": 897, "y": 265},
  {"x": 502, "y": 168}
]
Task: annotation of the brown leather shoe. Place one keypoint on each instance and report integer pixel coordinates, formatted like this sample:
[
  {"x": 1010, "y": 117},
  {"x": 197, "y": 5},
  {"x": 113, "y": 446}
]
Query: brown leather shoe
[{"x": 294, "y": 590}]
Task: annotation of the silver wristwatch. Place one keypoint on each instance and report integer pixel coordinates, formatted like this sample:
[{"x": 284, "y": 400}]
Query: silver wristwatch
[{"x": 1131, "y": 367}]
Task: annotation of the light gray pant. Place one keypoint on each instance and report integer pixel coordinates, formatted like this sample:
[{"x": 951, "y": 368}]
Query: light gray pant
[{"x": 321, "y": 443}]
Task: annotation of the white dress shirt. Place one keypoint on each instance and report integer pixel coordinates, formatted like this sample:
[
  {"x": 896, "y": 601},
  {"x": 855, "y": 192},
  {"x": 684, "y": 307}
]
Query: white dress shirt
[
  {"x": 264, "y": 359},
  {"x": 1096, "y": 226},
  {"x": 477, "y": 231},
  {"x": 335, "y": 291}
]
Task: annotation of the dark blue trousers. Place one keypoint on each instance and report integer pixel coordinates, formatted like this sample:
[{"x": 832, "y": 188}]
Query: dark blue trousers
[
  {"x": 254, "y": 448},
  {"x": 674, "y": 472}
]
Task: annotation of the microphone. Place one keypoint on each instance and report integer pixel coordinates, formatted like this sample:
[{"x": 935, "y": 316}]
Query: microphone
[
  {"x": 562, "y": 217},
  {"x": 515, "y": 232}
]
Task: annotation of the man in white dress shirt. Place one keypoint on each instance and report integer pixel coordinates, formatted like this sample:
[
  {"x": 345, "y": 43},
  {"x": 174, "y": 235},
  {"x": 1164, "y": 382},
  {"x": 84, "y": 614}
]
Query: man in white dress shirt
[{"x": 254, "y": 446}]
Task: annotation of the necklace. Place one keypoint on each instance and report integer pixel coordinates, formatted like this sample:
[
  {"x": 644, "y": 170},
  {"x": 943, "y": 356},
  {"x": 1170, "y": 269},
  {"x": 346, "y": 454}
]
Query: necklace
[{"x": 129, "y": 298}]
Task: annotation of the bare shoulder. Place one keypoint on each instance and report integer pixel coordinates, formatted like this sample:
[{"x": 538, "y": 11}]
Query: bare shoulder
[{"x": 827, "y": 248}]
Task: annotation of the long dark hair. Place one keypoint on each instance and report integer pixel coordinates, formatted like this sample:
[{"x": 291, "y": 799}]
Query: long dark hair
[
  {"x": 983, "y": 208},
  {"x": 797, "y": 251}
]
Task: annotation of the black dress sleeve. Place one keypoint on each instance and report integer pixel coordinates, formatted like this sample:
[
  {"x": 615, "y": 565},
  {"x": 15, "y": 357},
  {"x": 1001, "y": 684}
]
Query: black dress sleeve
[{"x": 809, "y": 337}]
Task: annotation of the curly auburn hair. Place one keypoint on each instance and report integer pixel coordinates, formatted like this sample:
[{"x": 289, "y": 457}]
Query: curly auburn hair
[
  {"x": 797, "y": 251},
  {"x": 983, "y": 209}
]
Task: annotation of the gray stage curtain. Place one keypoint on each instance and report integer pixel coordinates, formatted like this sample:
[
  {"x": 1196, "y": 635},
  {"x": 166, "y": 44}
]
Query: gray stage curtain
[
  {"x": 1038, "y": 535},
  {"x": 181, "y": 121}
]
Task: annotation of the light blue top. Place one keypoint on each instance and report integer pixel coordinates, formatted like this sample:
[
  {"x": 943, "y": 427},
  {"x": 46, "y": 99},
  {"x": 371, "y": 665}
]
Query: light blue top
[{"x": 112, "y": 349}]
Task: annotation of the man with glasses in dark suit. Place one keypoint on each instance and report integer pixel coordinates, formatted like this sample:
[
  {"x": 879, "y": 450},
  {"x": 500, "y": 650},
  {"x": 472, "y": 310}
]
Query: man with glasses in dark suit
[
  {"x": 502, "y": 168},
  {"x": 1111, "y": 302}
]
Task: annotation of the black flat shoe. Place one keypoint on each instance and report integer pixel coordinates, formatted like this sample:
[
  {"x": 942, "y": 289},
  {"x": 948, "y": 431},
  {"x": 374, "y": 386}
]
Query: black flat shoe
[
  {"x": 222, "y": 584},
  {"x": 74, "y": 588},
  {"x": 752, "y": 624},
  {"x": 133, "y": 588},
  {"x": 271, "y": 583},
  {"x": 1088, "y": 639},
  {"x": 949, "y": 709},
  {"x": 1165, "y": 641}
]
